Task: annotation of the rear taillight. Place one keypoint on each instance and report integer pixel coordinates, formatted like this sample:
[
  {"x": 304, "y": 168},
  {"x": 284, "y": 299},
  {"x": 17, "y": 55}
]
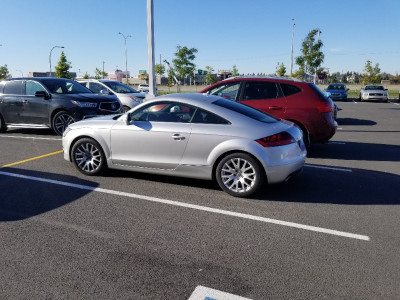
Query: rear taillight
[
  {"x": 324, "y": 107},
  {"x": 279, "y": 139}
]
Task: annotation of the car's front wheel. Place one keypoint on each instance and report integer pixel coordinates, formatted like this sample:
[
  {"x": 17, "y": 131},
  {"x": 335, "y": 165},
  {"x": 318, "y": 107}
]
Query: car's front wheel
[
  {"x": 61, "y": 121},
  {"x": 239, "y": 174},
  {"x": 88, "y": 157}
]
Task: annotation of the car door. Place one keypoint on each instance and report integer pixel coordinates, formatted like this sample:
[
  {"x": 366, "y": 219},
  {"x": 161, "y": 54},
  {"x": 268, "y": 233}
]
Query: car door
[
  {"x": 265, "y": 96},
  {"x": 12, "y": 101},
  {"x": 153, "y": 139},
  {"x": 35, "y": 110}
]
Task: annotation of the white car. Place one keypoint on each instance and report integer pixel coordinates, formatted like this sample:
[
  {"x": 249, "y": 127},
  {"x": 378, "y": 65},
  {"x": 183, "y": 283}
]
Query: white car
[
  {"x": 128, "y": 96},
  {"x": 374, "y": 92},
  {"x": 143, "y": 88}
]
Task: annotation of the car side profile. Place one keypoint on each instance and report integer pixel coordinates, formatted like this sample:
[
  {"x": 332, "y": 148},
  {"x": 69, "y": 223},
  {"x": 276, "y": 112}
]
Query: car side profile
[
  {"x": 50, "y": 103},
  {"x": 194, "y": 136},
  {"x": 374, "y": 92},
  {"x": 300, "y": 102},
  {"x": 128, "y": 96}
]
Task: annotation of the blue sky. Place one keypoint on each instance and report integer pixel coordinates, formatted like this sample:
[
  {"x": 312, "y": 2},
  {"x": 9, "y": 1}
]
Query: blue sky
[{"x": 254, "y": 35}]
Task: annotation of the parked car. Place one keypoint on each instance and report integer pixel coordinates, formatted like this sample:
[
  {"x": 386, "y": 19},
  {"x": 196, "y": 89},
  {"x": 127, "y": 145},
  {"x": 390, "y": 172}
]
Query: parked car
[
  {"x": 128, "y": 96},
  {"x": 374, "y": 92},
  {"x": 50, "y": 103},
  {"x": 143, "y": 88},
  {"x": 194, "y": 136},
  {"x": 337, "y": 91},
  {"x": 301, "y": 102}
]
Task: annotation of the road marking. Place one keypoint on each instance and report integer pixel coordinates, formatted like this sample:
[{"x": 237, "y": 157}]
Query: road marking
[
  {"x": 328, "y": 168},
  {"x": 194, "y": 206},
  {"x": 30, "y": 137},
  {"x": 33, "y": 158},
  {"x": 205, "y": 293}
]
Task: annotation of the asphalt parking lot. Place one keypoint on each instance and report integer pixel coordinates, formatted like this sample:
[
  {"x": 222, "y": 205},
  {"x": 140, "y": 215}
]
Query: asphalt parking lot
[{"x": 330, "y": 233}]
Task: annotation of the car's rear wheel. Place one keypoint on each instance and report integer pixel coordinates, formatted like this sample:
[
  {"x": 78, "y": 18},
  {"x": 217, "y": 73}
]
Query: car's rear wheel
[
  {"x": 3, "y": 126},
  {"x": 239, "y": 174},
  {"x": 88, "y": 157},
  {"x": 61, "y": 121}
]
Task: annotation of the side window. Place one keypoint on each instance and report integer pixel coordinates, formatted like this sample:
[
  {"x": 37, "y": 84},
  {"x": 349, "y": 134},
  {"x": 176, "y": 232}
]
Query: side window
[
  {"x": 172, "y": 112},
  {"x": 204, "y": 117},
  {"x": 95, "y": 87},
  {"x": 14, "y": 87},
  {"x": 228, "y": 90},
  {"x": 289, "y": 89},
  {"x": 255, "y": 90},
  {"x": 31, "y": 87}
]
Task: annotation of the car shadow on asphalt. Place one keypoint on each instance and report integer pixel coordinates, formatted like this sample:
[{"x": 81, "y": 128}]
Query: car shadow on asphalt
[
  {"x": 355, "y": 122},
  {"x": 355, "y": 151},
  {"x": 27, "y": 196}
]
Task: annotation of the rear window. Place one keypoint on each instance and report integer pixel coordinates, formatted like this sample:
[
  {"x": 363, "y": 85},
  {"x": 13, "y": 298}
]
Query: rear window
[
  {"x": 246, "y": 110},
  {"x": 289, "y": 89},
  {"x": 14, "y": 87}
]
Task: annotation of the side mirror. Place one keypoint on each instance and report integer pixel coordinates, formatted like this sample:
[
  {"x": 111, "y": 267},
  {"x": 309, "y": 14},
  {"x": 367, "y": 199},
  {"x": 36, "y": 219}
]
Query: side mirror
[
  {"x": 42, "y": 94},
  {"x": 104, "y": 92},
  {"x": 128, "y": 119}
]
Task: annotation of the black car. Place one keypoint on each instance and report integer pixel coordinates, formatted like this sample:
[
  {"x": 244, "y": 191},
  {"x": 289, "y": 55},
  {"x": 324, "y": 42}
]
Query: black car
[{"x": 50, "y": 102}]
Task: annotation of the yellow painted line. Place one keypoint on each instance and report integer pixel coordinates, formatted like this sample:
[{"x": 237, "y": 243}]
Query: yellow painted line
[{"x": 29, "y": 159}]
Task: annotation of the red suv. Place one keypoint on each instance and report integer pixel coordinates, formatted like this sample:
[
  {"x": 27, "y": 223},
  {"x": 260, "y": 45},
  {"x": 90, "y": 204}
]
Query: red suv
[{"x": 301, "y": 102}]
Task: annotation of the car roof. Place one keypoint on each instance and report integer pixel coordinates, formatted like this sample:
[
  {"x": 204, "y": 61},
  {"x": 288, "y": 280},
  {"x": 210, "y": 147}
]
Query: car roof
[
  {"x": 189, "y": 98},
  {"x": 36, "y": 78},
  {"x": 289, "y": 79}
]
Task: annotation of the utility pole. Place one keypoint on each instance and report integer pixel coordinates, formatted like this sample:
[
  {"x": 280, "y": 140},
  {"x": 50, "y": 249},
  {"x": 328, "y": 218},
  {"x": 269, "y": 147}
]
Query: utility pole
[
  {"x": 150, "y": 48},
  {"x": 126, "y": 56},
  {"x": 291, "y": 58}
]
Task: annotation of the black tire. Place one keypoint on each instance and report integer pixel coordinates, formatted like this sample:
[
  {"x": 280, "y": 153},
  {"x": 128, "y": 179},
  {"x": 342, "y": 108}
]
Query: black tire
[
  {"x": 88, "y": 157},
  {"x": 239, "y": 174},
  {"x": 3, "y": 126},
  {"x": 61, "y": 121},
  {"x": 126, "y": 108}
]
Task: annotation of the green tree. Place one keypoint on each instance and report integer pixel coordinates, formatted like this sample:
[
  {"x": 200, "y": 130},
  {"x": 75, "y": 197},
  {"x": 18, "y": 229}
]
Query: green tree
[
  {"x": 63, "y": 66},
  {"x": 312, "y": 57},
  {"x": 183, "y": 63},
  {"x": 209, "y": 78},
  {"x": 235, "y": 71},
  {"x": 4, "y": 72},
  {"x": 281, "y": 70},
  {"x": 170, "y": 79},
  {"x": 99, "y": 74},
  {"x": 86, "y": 76},
  {"x": 159, "y": 69},
  {"x": 372, "y": 73}
]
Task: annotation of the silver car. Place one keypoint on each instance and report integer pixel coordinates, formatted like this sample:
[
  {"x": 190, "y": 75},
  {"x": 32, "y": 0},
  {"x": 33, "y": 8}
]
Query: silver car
[
  {"x": 190, "y": 135},
  {"x": 128, "y": 96},
  {"x": 374, "y": 92}
]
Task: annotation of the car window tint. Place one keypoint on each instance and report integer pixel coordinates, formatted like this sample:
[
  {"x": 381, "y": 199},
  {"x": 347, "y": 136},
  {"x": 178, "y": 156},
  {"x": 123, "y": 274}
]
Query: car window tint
[
  {"x": 204, "y": 117},
  {"x": 164, "y": 112},
  {"x": 14, "y": 87},
  {"x": 95, "y": 87},
  {"x": 255, "y": 90},
  {"x": 289, "y": 89},
  {"x": 227, "y": 90},
  {"x": 31, "y": 87}
]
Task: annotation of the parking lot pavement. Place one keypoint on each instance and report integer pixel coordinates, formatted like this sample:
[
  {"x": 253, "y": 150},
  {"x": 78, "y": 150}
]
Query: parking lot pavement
[{"x": 128, "y": 235}]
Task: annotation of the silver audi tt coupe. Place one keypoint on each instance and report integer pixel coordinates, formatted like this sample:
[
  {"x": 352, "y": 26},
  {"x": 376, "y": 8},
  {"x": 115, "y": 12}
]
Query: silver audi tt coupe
[{"x": 190, "y": 135}]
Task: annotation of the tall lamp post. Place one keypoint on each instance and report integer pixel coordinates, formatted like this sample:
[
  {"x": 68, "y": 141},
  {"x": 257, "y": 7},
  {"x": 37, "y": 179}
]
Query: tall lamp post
[
  {"x": 50, "y": 56},
  {"x": 291, "y": 57},
  {"x": 126, "y": 56}
]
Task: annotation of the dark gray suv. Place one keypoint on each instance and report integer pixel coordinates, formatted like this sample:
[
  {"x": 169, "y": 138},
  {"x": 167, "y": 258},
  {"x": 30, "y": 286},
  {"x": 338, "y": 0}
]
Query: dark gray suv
[{"x": 50, "y": 102}]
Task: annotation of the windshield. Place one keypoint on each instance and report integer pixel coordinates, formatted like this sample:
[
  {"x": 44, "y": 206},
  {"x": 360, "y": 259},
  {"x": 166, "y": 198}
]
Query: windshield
[
  {"x": 64, "y": 86},
  {"x": 246, "y": 110},
  {"x": 119, "y": 87},
  {"x": 374, "y": 87},
  {"x": 336, "y": 87}
]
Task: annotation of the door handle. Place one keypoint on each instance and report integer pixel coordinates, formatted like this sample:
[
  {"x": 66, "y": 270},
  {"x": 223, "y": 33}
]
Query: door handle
[
  {"x": 25, "y": 101},
  {"x": 275, "y": 107},
  {"x": 178, "y": 137}
]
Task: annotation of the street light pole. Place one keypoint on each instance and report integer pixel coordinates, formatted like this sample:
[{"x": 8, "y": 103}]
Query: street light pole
[
  {"x": 150, "y": 48},
  {"x": 126, "y": 56},
  {"x": 291, "y": 57},
  {"x": 50, "y": 56}
]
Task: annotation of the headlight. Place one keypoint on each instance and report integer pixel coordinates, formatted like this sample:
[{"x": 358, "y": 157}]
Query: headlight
[
  {"x": 138, "y": 100},
  {"x": 84, "y": 104}
]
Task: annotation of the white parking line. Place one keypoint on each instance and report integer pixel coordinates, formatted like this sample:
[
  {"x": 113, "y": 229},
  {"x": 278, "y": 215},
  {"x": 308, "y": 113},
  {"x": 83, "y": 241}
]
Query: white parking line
[
  {"x": 328, "y": 168},
  {"x": 196, "y": 207},
  {"x": 29, "y": 137}
]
